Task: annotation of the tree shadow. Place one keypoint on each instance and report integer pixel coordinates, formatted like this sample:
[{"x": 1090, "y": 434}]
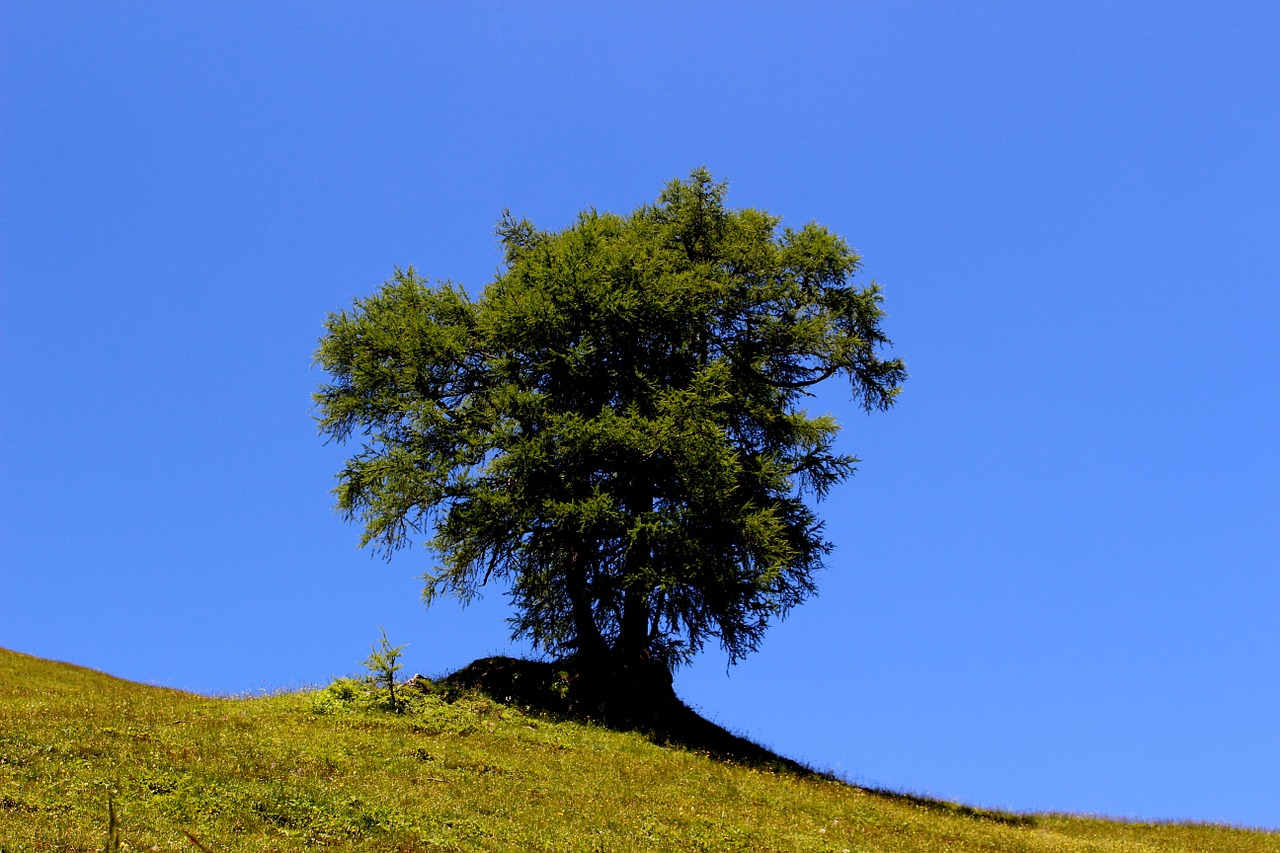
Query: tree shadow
[{"x": 644, "y": 703}]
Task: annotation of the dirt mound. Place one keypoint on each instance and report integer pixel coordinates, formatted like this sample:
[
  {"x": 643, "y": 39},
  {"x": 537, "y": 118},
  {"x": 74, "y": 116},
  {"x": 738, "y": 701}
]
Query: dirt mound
[{"x": 630, "y": 701}]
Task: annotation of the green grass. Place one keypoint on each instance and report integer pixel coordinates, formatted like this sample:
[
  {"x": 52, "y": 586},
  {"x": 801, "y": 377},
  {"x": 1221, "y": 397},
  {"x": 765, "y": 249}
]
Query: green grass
[{"x": 456, "y": 771}]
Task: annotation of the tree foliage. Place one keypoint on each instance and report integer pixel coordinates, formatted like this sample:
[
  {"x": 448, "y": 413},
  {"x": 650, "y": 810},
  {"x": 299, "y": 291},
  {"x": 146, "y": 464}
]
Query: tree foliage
[{"x": 616, "y": 426}]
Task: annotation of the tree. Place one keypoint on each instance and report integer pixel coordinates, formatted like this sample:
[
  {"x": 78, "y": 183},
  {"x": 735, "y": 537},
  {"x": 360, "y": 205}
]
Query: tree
[
  {"x": 615, "y": 426},
  {"x": 383, "y": 664}
]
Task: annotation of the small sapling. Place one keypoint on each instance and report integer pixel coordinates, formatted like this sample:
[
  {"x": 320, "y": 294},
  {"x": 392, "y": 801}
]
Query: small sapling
[{"x": 383, "y": 665}]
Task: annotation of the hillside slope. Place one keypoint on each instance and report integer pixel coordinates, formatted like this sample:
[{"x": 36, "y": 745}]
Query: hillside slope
[{"x": 455, "y": 772}]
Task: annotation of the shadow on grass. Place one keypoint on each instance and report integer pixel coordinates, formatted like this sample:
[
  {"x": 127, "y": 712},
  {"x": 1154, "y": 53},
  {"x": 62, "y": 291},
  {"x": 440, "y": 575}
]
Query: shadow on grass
[
  {"x": 944, "y": 807},
  {"x": 561, "y": 690}
]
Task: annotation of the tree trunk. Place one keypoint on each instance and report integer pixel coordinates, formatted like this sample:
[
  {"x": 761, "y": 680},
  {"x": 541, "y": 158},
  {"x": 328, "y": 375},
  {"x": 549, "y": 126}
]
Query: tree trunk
[
  {"x": 590, "y": 643},
  {"x": 633, "y": 633},
  {"x": 633, "y": 628}
]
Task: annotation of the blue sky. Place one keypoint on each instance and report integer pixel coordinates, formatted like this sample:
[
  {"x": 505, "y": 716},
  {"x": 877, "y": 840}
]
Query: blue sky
[{"x": 1055, "y": 580}]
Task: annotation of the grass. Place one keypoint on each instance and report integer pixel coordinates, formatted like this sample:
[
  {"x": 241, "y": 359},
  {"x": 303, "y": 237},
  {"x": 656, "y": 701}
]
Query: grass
[{"x": 84, "y": 755}]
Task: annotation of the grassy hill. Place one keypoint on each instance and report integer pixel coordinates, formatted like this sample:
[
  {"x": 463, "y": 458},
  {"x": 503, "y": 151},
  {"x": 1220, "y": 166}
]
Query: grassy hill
[{"x": 456, "y": 771}]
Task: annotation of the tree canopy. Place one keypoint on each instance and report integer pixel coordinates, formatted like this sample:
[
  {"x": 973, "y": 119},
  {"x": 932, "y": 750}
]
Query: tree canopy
[{"x": 615, "y": 427}]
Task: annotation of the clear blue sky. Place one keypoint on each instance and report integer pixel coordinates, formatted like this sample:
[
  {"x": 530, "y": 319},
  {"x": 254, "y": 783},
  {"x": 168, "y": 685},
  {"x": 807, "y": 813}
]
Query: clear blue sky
[{"x": 1055, "y": 583}]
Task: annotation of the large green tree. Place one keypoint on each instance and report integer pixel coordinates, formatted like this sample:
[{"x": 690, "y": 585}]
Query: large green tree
[{"x": 616, "y": 427}]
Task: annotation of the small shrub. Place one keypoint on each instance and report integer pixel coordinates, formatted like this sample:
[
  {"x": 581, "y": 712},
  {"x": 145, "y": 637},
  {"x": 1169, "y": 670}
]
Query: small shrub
[
  {"x": 344, "y": 694},
  {"x": 383, "y": 665}
]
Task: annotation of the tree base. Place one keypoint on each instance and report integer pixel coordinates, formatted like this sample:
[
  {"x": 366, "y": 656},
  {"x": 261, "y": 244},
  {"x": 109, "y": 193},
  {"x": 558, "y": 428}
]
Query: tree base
[
  {"x": 625, "y": 695},
  {"x": 635, "y": 697}
]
